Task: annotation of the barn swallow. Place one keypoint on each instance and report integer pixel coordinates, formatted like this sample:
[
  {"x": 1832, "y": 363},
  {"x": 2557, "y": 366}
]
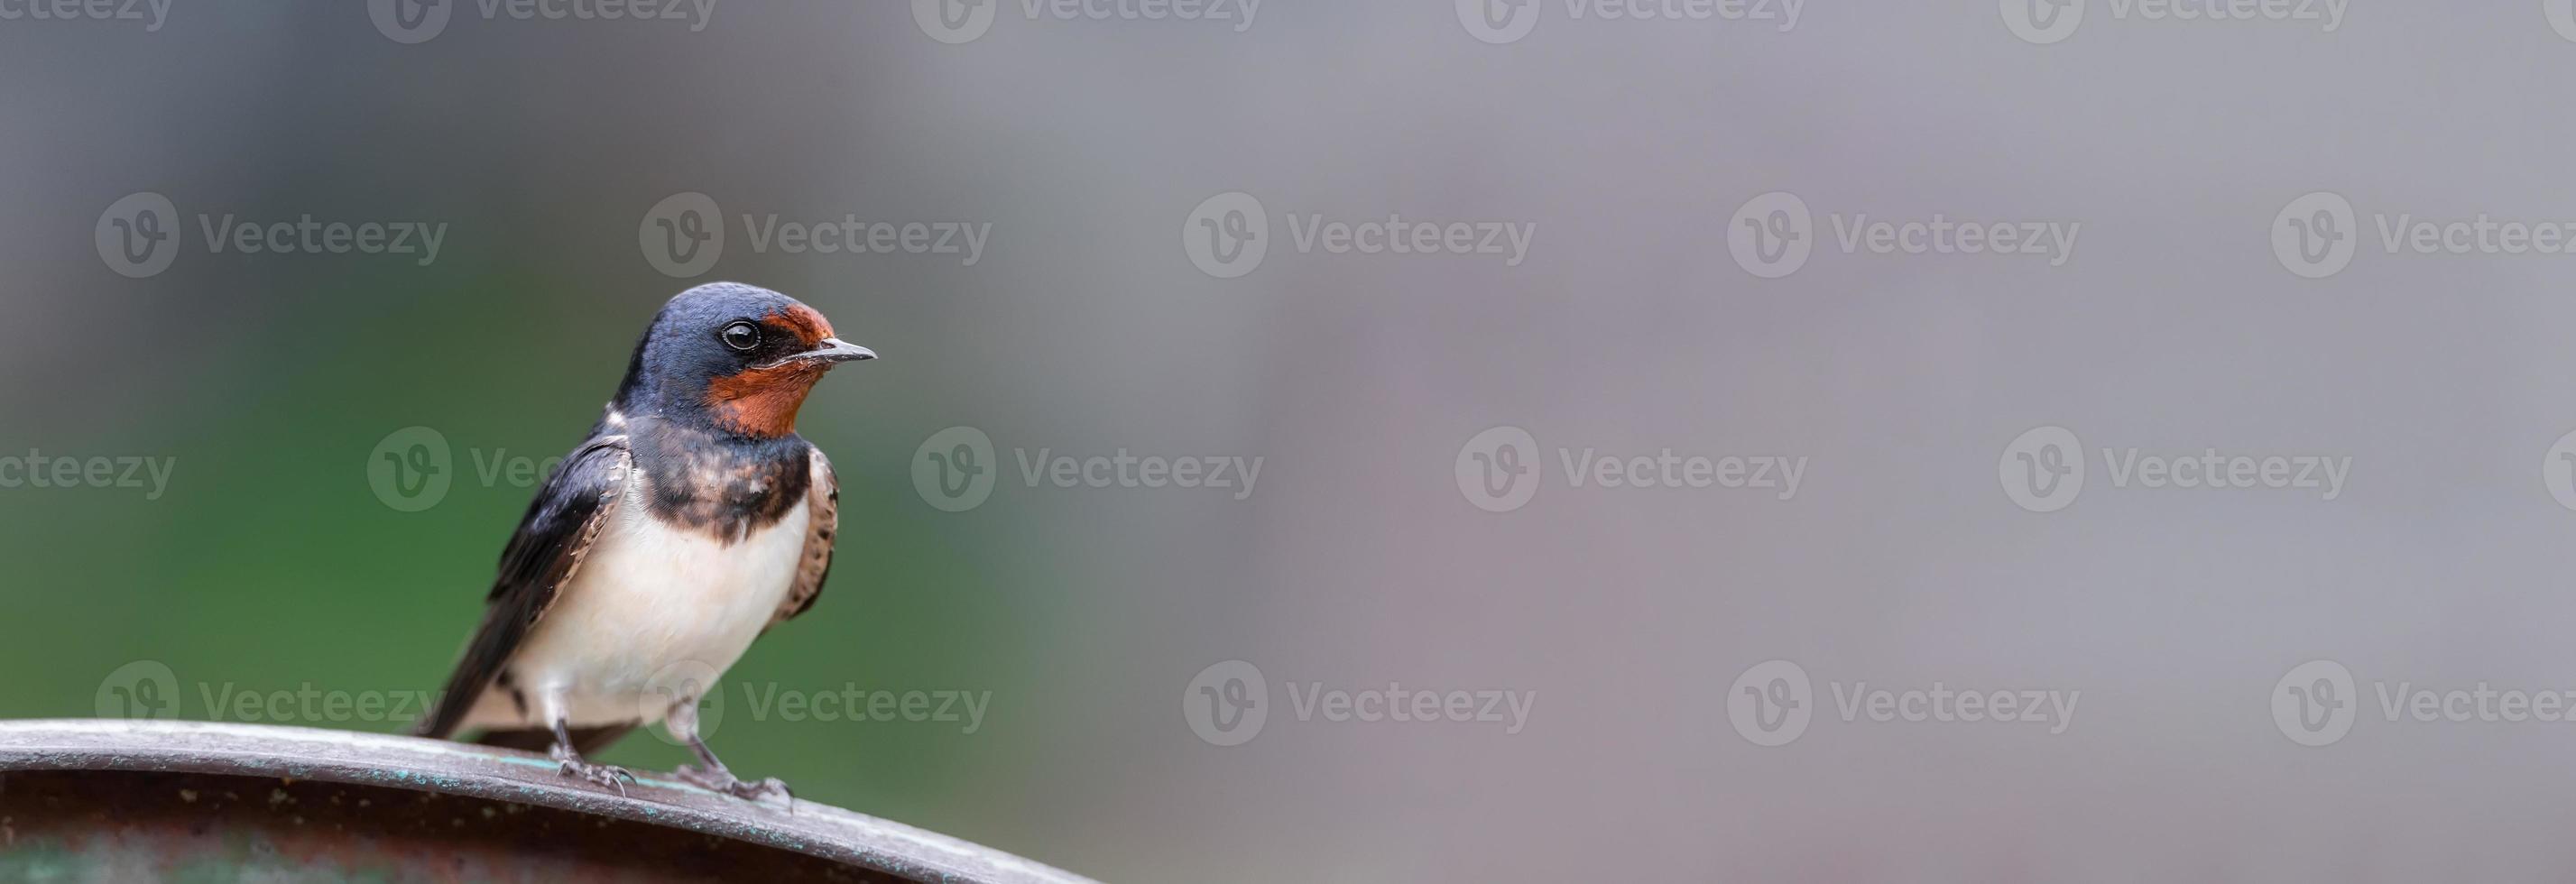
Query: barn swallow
[{"x": 691, "y": 521}]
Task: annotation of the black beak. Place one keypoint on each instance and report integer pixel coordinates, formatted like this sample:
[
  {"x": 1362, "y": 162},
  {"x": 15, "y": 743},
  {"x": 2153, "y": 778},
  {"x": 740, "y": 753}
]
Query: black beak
[{"x": 837, "y": 350}]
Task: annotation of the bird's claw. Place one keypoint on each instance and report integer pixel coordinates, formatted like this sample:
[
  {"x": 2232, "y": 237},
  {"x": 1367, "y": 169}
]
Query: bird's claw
[
  {"x": 599, "y": 774},
  {"x": 724, "y": 782}
]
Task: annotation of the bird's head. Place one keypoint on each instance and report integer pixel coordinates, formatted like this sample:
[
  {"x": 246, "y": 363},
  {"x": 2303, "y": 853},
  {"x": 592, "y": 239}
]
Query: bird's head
[{"x": 738, "y": 357}]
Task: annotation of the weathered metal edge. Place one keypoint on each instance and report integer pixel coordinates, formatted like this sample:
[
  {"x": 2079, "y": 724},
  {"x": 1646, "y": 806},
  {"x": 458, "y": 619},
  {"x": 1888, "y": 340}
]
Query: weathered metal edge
[{"x": 503, "y": 775}]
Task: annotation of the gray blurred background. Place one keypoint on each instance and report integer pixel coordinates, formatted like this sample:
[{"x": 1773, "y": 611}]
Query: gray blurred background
[{"x": 272, "y": 559}]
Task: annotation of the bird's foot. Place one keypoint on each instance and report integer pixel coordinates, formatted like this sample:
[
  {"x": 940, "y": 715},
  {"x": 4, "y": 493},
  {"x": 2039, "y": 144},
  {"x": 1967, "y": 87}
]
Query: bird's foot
[
  {"x": 599, "y": 774},
  {"x": 723, "y": 781}
]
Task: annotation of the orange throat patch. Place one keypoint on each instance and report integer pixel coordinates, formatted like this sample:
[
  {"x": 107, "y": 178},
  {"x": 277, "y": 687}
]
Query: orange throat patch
[{"x": 762, "y": 402}]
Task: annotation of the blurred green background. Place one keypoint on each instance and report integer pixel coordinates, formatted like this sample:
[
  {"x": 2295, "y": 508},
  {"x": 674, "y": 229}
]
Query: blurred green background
[{"x": 271, "y": 563}]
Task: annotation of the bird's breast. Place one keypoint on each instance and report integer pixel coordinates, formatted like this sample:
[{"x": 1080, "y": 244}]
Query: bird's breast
[{"x": 655, "y": 601}]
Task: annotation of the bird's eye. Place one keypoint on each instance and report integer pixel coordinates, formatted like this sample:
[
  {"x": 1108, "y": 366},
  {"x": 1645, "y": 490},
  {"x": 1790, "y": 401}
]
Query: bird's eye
[{"x": 742, "y": 336}]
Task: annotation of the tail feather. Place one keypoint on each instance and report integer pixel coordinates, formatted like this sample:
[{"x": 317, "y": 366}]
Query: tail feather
[{"x": 447, "y": 711}]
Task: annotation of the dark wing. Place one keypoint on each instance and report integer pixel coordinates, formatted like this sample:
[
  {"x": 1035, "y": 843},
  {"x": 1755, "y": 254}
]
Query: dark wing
[
  {"x": 552, "y": 539},
  {"x": 823, "y": 522}
]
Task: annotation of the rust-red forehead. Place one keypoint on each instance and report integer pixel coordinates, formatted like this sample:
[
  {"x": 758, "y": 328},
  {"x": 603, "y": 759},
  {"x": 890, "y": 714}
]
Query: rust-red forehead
[{"x": 808, "y": 325}]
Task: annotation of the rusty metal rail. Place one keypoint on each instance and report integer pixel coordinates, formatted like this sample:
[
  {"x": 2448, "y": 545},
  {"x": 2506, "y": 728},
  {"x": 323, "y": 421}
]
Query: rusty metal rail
[{"x": 85, "y": 800}]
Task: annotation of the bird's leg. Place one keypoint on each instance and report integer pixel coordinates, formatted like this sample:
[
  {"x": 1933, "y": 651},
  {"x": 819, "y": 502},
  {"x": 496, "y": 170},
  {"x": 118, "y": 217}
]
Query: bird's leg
[
  {"x": 683, "y": 723},
  {"x": 573, "y": 764}
]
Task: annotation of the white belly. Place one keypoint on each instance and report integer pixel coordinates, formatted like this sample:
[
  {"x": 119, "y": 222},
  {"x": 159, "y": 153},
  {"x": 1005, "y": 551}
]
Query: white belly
[{"x": 653, "y": 610}]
